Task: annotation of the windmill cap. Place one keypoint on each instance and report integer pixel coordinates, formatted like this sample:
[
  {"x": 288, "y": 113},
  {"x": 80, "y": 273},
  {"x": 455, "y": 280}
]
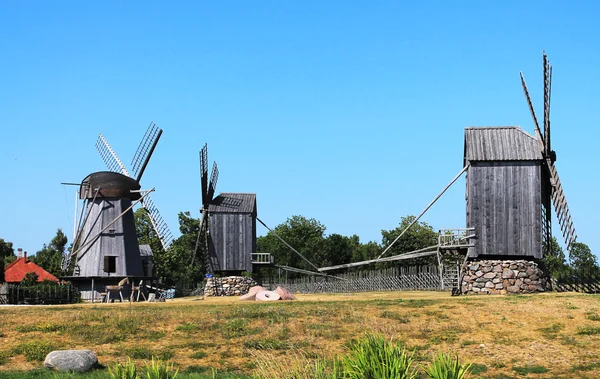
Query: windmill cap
[{"x": 110, "y": 185}]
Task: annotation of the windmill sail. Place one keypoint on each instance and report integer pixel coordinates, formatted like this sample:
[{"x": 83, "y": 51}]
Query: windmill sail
[
  {"x": 562, "y": 209},
  {"x": 160, "y": 226},
  {"x": 145, "y": 150},
  {"x": 110, "y": 158}
]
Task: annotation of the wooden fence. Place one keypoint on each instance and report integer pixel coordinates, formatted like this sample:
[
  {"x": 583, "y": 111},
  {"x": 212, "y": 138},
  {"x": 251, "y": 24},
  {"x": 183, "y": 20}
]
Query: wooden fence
[
  {"x": 42, "y": 294},
  {"x": 391, "y": 279},
  {"x": 585, "y": 284}
]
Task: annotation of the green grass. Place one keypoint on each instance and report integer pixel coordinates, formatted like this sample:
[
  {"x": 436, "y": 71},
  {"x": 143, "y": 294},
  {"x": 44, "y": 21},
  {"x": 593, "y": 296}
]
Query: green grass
[
  {"x": 35, "y": 350},
  {"x": 103, "y": 374},
  {"x": 525, "y": 370},
  {"x": 588, "y": 330}
]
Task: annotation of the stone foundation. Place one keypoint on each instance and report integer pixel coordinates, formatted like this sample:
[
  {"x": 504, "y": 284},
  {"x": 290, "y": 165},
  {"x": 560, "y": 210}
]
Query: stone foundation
[
  {"x": 504, "y": 277},
  {"x": 228, "y": 286}
]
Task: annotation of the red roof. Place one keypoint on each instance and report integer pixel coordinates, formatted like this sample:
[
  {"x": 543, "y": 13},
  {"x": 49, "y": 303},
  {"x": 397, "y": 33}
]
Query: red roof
[{"x": 15, "y": 271}]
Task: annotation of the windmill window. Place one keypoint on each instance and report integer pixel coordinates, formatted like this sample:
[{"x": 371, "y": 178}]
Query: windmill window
[
  {"x": 110, "y": 264},
  {"x": 111, "y": 232}
]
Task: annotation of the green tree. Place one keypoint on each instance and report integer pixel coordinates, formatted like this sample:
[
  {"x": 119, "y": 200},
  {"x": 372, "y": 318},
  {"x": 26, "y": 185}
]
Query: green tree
[
  {"x": 582, "y": 260},
  {"x": 146, "y": 233},
  {"x": 419, "y": 236},
  {"x": 51, "y": 255},
  {"x": 305, "y": 235},
  {"x": 174, "y": 267},
  {"x": 30, "y": 279},
  {"x": 7, "y": 255},
  {"x": 337, "y": 249},
  {"x": 555, "y": 260}
]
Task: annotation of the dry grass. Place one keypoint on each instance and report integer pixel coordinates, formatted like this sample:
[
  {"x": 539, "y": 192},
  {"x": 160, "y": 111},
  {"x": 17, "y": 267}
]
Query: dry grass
[{"x": 504, "y": 336}]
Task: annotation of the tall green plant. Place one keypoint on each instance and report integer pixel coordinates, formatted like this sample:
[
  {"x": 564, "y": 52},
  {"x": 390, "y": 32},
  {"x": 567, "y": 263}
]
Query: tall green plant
[
  {"x": 158, "y": 369},
  {"x": 374, "y": 357},
  {"x": 124, "y": 371},
  {"x": 446, "y": 366}
]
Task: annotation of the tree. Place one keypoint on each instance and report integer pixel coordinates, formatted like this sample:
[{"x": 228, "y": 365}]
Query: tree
[
  {"x": 7, "y": 255},
  {"x": 30, "y": 279},
  {"x": 174, "y": 267},
  {"x": 555, "y": 261},
  {"x": 51, "y": 255},
  {"x": 419, "y": 236},
  {"x": 307, "y": 236},
  {"x": 582, "y": 260},
  {"x": 146, "y": 233}
]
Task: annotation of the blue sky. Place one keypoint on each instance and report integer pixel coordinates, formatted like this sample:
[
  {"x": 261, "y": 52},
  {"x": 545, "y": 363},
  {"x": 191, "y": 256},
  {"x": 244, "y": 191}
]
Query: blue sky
[{"x": 349, "y": 112}]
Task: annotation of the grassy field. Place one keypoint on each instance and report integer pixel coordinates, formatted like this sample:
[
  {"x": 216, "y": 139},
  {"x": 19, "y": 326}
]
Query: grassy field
[{"x": 541, "y": 336}]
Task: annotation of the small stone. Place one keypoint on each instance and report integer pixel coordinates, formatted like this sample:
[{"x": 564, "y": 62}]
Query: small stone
[
  {"x": 522, "y": 274},
  {"x": 497, "y": 280},
  {"x": 490, "y": 275},
  {"x": 474, "y": 267},
  {"x": 499, "y": 286},
  {"x": 479, "y": 273},
  {"x": 489, "y": 285},
  {"x": 486, "y": 269},
  {"x": 497, "y": 268}
]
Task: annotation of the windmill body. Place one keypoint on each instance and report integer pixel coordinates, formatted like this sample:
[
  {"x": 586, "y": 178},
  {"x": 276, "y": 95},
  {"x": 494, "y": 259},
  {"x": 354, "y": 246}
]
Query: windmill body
[
  {"x": 232, "y": 231},
  {"x": 116, "y": 252},
  {"x": 106, "y": 248},
  {"x": 505, "y": 192}
]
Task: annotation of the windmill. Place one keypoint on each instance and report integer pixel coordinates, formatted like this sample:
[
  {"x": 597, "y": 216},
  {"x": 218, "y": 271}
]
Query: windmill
[
  {"x": 552, "y": 189},
  {"x": 227, "y": 226},
  {"x": 105, "y": 245}
]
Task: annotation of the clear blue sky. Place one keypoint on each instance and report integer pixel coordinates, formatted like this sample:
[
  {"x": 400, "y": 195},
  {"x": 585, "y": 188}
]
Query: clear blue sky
[{"x": 349, "y": 112}]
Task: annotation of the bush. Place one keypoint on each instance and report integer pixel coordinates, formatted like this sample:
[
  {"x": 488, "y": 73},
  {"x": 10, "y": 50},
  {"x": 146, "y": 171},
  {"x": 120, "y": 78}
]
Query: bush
[
  {"x": 158, "y": 369},
  {"x": 446, "y": 366},
  {"x": 126, "y": 371},
  {"x": 374, "y": 357}
]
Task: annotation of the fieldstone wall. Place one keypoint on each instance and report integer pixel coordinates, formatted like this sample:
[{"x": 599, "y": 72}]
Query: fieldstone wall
[
  {"x": 504, "y": 277},
  {"x": 228, "y": 286}
]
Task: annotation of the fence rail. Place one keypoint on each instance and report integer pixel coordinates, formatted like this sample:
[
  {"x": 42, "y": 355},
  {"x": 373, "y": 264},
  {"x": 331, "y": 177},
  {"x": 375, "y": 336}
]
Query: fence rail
[
  {"x": 42, "y": 294},
  {"x": 391, "y": 279}
]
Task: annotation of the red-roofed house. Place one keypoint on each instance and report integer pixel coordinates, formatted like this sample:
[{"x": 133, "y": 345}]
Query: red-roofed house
[{"x": 15, "y": 271}]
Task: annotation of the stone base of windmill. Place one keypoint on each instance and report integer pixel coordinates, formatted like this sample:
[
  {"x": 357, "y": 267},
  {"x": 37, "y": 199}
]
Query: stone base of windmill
[
  {"x": 228, "y": 286},
  {"x": 485, "y": 277}
]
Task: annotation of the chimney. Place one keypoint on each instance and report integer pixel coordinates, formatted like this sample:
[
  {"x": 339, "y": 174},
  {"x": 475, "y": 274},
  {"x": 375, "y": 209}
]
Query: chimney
[
  {"x": 25, "y": 256},
  {"x": 19, "y": 253}
]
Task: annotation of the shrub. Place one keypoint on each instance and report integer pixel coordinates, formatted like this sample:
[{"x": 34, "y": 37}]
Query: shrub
[
  {"x": 374, "y": 357},
  {"x": 126, "y": 371},
  {"x": 446, "y": 366},
  {"x": 158, "y": 369},
  {"x": 34, "y": 350}
]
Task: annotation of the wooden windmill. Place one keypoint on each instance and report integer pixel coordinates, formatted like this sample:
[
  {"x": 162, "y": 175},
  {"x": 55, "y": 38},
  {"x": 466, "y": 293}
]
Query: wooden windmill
[
  {"x": 511, "y": 181},
  {"x": 105, "y": 247},
  {"x": 228, "y": 224}
]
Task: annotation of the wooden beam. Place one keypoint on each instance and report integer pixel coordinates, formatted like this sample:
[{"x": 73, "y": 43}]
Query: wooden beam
[{"x": 425, "y": 210}]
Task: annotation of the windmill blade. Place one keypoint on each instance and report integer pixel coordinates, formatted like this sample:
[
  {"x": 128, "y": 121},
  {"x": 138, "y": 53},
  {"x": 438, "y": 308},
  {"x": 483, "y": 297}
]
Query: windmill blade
[
  {"x": 214, "y": 176},
  {"x": 200, "y": 230},
  {"x": 204, "y": 175},
  {"x": 144, "y": 151},
  {"x": 547, "y": 89},
  {"x": 538, "y": 131},
  {"x": 160, "y": 226},
  {"x": 562, "y": 209},
  {"x": 110, "y": 158}
]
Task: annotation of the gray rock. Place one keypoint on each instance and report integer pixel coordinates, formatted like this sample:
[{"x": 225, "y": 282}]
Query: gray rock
[
  {"x": 513, "y": 289},
  {"x": 522, "y": 275},
  {"x": 71, "y": 360},
  {"x": 474, "y": 267},
  {"x": 497, "y": 280},
  {"x": 486, "y": 269},
  {"x": 497, "y": 268},
  {"x": 499, "y": 286},
  {"x": 479, "y": 273},
  {"x": 490, "y": 275},
  {"x": 508, "y": 274},
  {"x": 489, "y": 285}
]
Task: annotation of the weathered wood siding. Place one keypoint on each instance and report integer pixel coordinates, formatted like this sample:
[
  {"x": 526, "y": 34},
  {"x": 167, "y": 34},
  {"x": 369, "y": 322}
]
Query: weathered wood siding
[
  {"x": 119, "y": 240},
  {"x": 504, "y": 206},
  {"x": 232, "y": 241}
]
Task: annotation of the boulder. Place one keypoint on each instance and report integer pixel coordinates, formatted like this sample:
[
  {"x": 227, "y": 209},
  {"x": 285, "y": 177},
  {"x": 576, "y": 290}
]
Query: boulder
[
  {"x": 267, "y": 296},
  {"x": 71, "y": 360},
  {"x": 285, "y": 294},
  {"x": 251, "y": 295}
]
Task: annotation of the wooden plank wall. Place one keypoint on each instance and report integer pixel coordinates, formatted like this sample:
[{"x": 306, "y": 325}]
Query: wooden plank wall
[
  {"x": 504, "y": 206},
  {"x": 122, "y": 243},
  {"x": 233, "y": 237}
]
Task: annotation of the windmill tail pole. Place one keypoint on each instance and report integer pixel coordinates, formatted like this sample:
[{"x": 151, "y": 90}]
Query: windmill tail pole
[
  {"x": 287, "y": 244},
  {"x": 424, "y": 210}
]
